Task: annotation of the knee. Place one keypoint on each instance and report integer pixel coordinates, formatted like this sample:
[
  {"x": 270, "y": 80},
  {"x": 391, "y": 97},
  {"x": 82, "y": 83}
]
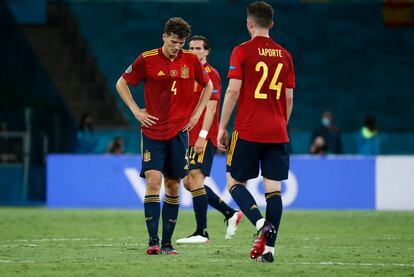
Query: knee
[
  {"x": 172, "y": 187},
  {"x": 153, "y": 185},
  {"x": 186, "y": 182}
]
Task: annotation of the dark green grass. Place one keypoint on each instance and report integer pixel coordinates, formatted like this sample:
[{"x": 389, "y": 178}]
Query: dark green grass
[{"x": 41, "y": 242}]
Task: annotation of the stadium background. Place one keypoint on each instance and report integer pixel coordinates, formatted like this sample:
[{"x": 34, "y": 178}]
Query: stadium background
[{"x": 60, "y": 59}]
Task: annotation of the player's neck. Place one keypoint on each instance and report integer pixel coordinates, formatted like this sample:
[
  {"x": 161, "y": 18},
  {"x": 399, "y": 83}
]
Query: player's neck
[
  {"x": 203, "y": 61},
  {"x": 165, "y": 52},
  {"x": 260, "y": 33}
]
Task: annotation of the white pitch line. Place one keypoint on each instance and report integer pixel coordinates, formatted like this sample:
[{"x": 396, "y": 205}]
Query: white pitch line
[
  {"x": 9, "y": 261},
  {"x": 70, "y": 239},
  {"x": 350, "y": 264}
]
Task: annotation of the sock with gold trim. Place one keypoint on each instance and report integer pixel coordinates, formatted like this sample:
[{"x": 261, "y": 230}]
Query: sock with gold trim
[
  {"x": 200, "y": 205},
  {"x": 246, "y": 202},
  {"x": 169, "y": 217},
  {"x": 152, "y": 214},
  {"x": 274, "y": 209}
]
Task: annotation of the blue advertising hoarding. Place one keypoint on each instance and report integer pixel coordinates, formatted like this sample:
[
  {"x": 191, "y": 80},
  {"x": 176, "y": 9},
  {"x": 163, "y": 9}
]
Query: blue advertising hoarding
[{"x": 106, "y": 181}]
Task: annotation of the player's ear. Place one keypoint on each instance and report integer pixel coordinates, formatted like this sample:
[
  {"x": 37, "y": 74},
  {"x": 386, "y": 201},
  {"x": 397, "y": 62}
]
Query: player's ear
[
  {"x": 271, "y": 25},
  {"x": 164, "y": 37},
  {"x": 249, "y": 23}
]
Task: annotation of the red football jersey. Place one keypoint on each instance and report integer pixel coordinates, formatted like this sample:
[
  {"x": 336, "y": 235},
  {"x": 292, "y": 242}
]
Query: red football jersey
[
  {"x": 168, "y": 89},
  {"x": 212, "y": 134},
  {"x": 266, "y": 70}
]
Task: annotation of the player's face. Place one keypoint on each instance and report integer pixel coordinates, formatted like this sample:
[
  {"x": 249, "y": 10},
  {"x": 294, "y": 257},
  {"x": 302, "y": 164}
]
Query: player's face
[
  {"x": 172, "y": 45},
  {"x": 197, "y": 47}
]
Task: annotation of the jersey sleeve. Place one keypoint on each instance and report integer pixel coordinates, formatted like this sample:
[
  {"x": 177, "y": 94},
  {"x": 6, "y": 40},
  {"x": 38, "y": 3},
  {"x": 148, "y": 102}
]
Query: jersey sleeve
[
  {"x": 235, "y": 68},
  {"x": 136, "y": 72},
  {"x": 215, "y": 79},
  {"x": 291, "y": 74},
  {"x": 200, "y": 74}
]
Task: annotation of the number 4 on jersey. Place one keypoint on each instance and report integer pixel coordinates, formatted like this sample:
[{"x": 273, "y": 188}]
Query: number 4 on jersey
[{"x": 274, "y": 85}]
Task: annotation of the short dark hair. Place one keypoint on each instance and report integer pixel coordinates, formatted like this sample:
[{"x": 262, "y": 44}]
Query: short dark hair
[
  {"x": 261, "y": 13},
  {"x": 202, "y": 38},
  {"x": 177, "y": 26}
]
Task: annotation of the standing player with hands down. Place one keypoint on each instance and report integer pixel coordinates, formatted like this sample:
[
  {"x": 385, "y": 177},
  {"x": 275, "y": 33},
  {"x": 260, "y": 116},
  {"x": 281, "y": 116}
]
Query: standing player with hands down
[
  {"x": 262, "y": 80},
  {"x": 168, "y": 74},
  {"x": 203, "y": 142}
]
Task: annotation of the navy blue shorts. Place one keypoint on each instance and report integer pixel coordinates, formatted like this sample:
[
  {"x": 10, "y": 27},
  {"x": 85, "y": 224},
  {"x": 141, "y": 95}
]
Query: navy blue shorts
[
  {"x": 204, "y": 161},
  {"x": 245, "y": 157},
  {"x": 167, "y": 156}
]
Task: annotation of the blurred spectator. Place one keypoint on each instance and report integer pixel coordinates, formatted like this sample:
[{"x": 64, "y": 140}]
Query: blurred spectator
[
  {"x": 330, "y": 135},
  {"x": 11, "y": 147},
  {"x": 318, "y": 146},
  {"x": 368, "y": 138},
  {"x": 116, "y": 146},
  {"x": 86, "y": 139}
]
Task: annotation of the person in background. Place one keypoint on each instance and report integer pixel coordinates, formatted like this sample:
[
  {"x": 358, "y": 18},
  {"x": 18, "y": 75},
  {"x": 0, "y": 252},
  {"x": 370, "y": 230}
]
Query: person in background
[
  {"x": 86, "y": 139},
  {"x": 330, "y": 134},
  {"x": 318, "y": 146},
  {"x": 203, "y": 142},
  {"x": 116, "y": 146},
  {"x": 368, "y": 137}
]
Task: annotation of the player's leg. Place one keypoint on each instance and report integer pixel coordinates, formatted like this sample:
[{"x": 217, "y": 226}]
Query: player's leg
[
  {"x": 200, "y": 167},
  {"x": 175, "y": 168},
  {"x": 153, "y": 157},
  {"x": 195, "y": 180},
  {"x": 243, "y": 164},
  {"x": 170, "y": 213},
  {"x": 217, "y": 203},
  {"x": 232, "y": 217},
  {"x": 275, "y": 167}
]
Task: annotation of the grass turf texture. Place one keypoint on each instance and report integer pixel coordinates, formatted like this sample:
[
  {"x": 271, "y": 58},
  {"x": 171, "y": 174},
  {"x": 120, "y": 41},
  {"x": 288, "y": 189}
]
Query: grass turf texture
[{"x": 41, "y": 242}]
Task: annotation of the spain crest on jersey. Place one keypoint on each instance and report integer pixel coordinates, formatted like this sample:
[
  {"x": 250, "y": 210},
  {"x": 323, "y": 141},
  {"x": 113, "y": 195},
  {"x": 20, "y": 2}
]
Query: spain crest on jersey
[{"x": 185, "y": 72}]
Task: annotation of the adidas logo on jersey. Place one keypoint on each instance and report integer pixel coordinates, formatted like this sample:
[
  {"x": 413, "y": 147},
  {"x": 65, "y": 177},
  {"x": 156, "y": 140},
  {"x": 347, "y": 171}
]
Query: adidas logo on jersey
[{"x": 161, "y": 73}]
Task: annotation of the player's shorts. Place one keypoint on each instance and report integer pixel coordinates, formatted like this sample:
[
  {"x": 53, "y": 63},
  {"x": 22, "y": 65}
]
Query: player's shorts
[
  {"x": 245, "y": 157},
  {"x": 203, "y": 161},
  {"x": 167, "y": 156}
]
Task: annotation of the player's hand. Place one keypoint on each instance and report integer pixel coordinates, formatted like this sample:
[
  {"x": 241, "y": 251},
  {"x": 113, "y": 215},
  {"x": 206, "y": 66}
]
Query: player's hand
[
  {"x": 199, "y": 145},
  {"x": 190, "y": 125},
  {"x": 222, "y": 140},
  {"x": 145, "y": 118}
]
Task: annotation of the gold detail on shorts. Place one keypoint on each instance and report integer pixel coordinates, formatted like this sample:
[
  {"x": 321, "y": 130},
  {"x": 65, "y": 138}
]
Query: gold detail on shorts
[
  {"x": 234, "y": 138},
  {"x": 200, "y": 158},
  {"x": 253, "y": 207},
  {"x": 147, "y": 156}
]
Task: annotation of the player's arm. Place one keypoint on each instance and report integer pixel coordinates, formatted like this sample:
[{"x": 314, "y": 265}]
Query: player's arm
[
  {"x": 142, "y": 116},
  {"x": 289, "y": 102},
  {"x": 207, "y": 122},
  {"x": 202, "y": 102},
  {"x": 230, "y": 101}
]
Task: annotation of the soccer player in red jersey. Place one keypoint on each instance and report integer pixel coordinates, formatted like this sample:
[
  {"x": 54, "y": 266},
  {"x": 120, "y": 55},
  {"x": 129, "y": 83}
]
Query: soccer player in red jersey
[
  {"x": 168, "y": 74},
  {"x": 203, "y": 143},
  {"x": 262, "y": 80}
]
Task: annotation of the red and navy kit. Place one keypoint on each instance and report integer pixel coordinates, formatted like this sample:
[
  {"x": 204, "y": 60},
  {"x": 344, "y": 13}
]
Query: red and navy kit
[
  {"x": 267, "y": 70},
  {"x": 168, "y": 89},
  {"x": 212, "y": 134}
]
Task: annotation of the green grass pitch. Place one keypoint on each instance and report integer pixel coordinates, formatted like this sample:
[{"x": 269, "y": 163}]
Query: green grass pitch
[{"x": 42, "y": 242}]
